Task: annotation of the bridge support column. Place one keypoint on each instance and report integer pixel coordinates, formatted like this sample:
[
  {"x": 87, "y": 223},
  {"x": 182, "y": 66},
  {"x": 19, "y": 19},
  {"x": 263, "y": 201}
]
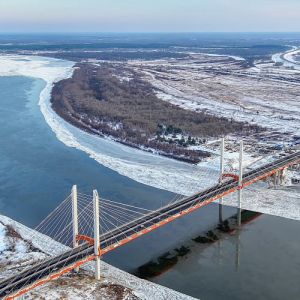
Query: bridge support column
[
  {"x": 96, "y": 234},
  {"x": 221, "y": 178},
  {"x": 237, "y": 254},
  {"x": 240, "y": 191},
  {"x": 280, "y": 177},
  {"x": 75, "y": 217},
  {"x": 276, "y": 180}
]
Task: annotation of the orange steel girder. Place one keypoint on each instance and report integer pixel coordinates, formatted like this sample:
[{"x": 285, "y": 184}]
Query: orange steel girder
[
  {"x": 50, "y": 278},
  {"x": 230, "y": 175},
  {"x": 81, "y": 237},
  {"x": 140, "y": 233}
]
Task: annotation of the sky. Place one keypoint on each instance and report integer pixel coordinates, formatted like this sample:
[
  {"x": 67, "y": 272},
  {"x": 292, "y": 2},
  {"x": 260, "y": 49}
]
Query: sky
[{"x": 149, "y": 15}]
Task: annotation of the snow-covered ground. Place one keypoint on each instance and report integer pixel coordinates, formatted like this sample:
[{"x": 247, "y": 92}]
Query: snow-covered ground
[
  {"x": 19, "y": 250},
  {"x": 282, "y": 201},
  {"x": 288, "y": 58},
  {"x": 265, "y": 95}
]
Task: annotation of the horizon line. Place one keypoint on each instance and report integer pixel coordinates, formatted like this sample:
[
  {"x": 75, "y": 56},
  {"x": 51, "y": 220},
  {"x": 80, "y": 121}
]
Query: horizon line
[{"x": 148, "y": 32}]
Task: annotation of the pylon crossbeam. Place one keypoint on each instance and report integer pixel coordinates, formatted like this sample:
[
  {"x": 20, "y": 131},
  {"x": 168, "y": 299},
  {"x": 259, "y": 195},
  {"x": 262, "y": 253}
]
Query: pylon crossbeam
[{"x": 81, "y": 237}]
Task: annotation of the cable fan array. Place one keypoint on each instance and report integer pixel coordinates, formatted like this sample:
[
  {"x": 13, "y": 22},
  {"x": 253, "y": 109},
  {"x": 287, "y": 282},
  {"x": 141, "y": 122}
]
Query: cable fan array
[
  {"x": 56, "y": 230},
  {"x": 113, "y": 215},
  {"x": 58, "y": 225}
]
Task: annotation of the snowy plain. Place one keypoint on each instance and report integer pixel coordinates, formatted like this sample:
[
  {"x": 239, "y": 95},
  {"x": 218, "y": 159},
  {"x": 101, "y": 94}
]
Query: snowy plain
[{"x": 265, "y": 95}]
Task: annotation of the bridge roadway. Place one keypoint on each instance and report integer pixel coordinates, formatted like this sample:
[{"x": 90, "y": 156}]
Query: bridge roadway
[{"x": 136, "y": 228}]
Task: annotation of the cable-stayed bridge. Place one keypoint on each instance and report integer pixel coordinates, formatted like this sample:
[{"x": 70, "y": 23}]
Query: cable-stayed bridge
[{"x": 87, "y": 226}]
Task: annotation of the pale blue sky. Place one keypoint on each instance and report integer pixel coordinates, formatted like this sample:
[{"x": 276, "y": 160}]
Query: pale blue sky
[{"x": 150, "y": 15}]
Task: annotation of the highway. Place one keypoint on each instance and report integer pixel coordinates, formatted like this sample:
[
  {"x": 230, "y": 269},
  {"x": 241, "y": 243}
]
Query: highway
[{"x": 140, "y": 226}]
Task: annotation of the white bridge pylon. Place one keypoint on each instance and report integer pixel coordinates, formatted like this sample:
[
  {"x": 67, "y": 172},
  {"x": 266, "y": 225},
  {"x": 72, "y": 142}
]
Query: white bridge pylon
[
  {"x": 96, "y": 234},
  {"x": 238, "y": 177},
  {"x": 75, "y": 234},
  {"x": 75, "y": 217}
]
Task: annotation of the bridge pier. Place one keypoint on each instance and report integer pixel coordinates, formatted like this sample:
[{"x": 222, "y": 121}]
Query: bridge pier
[
  {"x": 221, "y": 179},
  {"x": 282, "y": 176},
  {"x": 237, "y": 251},
  {"x": 96, "y": 234},
  {"x": 75, "y": 217},
  {"x": 277, "y": 179},
  {"x": 240, "y": 191}
]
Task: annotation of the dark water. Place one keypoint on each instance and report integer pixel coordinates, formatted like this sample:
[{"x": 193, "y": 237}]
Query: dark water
[
  {"x": 262, "y": 262},
  {"x": 37, "y": 172}
]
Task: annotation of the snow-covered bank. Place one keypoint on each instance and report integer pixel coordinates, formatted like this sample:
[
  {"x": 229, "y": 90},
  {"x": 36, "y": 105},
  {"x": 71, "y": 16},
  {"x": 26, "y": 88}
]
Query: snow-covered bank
[
  {"x": 18, "y": 250},
  {"x": 237, "y": 58},
  {"x": 282, "y": 201},
  {"x": 288, "y": 58}
]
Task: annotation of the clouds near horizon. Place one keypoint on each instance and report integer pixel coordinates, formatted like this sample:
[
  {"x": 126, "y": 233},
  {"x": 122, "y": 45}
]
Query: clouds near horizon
[{"x": 149, "y": 16}]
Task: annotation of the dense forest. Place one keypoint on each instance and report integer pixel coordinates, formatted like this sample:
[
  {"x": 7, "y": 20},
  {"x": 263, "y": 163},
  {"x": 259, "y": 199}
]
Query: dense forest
[{"x": 98, "y": 100}]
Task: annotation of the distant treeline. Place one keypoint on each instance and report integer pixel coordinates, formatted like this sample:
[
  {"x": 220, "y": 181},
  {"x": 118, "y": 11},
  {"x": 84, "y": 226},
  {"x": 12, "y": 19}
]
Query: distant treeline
[{"x": 116, "y": 55}]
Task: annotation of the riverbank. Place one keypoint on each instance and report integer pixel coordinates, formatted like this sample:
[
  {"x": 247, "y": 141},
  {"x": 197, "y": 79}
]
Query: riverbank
[{"x": 19, "y": 250}]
